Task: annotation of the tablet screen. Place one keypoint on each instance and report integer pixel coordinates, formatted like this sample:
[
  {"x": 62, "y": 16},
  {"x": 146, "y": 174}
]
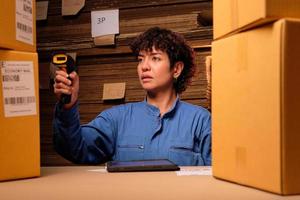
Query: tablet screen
[{"x": 141, "y": 165}]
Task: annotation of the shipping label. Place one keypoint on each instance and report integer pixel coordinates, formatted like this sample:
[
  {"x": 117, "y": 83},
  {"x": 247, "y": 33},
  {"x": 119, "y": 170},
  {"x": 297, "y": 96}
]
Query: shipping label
[
  {"x": 24, "y": 21},
  {"x": 18, "y": 88}
]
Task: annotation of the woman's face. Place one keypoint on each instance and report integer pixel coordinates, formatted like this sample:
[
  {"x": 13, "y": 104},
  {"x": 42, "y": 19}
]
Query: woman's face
[{"x": 154, "y": 71}]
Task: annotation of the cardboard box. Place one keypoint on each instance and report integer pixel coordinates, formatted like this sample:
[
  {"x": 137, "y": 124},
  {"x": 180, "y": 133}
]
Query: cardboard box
[
  {"x": 19, "y": 115},
  {"x": 18, "y": 25},
  {"x": 236, "y": 15},
  {"x": 256, "y": 106}
]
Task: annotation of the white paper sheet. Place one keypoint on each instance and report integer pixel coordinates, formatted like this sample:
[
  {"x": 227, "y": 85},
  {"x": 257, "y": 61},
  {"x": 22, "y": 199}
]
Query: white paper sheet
[
  {"x": 105, "y": 22},
  {"x": 203, "y": 171}
]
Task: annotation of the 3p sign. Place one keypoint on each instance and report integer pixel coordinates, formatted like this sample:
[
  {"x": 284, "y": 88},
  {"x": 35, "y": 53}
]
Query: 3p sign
[
  {"x": 105, "y": 22},
  {"x": 101, "y": 20}
]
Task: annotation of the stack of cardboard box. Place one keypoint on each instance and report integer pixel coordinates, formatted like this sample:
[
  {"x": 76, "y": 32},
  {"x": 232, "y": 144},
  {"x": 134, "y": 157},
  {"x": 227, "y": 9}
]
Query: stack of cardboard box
[
  {"x": 19, "y": 86},
  {"x": 255, "y": 93}
]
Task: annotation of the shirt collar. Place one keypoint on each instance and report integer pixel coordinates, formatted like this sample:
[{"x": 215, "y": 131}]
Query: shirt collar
[{"x": 153, "y": 110}]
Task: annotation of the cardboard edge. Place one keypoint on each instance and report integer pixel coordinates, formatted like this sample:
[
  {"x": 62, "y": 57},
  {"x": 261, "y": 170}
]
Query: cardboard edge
[
  {"x": 107, "y": 98},
  {"x": 256, "y": 24},
  {"x": 73, "y": 11},
  {"x": 248, "y": 186},
  {"x": 281, "y": 93},
  {"x": 283, "y": 127},
  {"x": 105, "y": 40}
]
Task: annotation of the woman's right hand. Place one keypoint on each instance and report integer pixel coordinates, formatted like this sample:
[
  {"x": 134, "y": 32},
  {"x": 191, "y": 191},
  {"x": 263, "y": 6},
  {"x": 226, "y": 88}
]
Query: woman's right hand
[{"x": 62, "y": 85}]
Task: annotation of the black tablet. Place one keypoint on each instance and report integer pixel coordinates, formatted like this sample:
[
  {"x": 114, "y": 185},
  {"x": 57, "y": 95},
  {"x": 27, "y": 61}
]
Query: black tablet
[{"x": 141, "y": 165}]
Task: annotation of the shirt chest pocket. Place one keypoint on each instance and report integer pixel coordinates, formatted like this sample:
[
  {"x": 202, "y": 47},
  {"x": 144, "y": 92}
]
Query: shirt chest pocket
[
  {"x": 130, "y": 148},
  {"x": 183, "y": 154}
]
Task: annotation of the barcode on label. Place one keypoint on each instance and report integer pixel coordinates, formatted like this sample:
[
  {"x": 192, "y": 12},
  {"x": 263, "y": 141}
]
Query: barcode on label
[
  {"x": 10, "y": 78},
  {"x": 24, "y": 27},
  {"x": 19, "y": 100}
]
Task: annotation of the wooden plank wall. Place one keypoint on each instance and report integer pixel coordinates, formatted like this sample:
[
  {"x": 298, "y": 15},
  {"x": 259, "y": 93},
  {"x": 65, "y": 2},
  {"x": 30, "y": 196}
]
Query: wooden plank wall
[{"x": 98, "y": 65}]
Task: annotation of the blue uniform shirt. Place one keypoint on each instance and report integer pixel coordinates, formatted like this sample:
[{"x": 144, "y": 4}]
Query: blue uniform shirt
[{"x": 135, "y": 131}]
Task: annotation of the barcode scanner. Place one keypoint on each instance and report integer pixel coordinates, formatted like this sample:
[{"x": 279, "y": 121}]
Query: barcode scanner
[{"x": 66, "y": 63}]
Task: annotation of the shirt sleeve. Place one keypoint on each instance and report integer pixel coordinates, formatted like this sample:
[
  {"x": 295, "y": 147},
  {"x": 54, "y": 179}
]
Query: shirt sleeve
[
  {"x": 92, "y": 143},
  {"x": 205, "y": 140}
]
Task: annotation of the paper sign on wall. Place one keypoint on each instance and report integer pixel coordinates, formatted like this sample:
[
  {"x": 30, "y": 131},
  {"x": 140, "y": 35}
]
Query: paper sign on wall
[
  {"x": 71, "y": 7},
  {"x": 105, "y": 22},
  {"x": 113, "y": 91},
  {"x": 41, "y": 10}
]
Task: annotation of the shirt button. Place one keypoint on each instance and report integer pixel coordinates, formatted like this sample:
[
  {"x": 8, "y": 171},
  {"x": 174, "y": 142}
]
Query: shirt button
[{"x": 141, "y": 147}]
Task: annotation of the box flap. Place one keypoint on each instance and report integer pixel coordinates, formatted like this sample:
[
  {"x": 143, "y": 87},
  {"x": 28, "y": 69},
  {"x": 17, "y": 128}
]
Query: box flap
[{"x": 290, "y": 106}]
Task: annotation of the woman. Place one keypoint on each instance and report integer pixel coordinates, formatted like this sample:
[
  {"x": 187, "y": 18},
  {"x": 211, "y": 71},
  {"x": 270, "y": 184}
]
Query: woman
[{"x": 159, "y": 127}]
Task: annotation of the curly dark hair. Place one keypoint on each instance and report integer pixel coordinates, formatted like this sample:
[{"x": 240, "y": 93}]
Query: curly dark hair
[{"x": 174, "y": 45}]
